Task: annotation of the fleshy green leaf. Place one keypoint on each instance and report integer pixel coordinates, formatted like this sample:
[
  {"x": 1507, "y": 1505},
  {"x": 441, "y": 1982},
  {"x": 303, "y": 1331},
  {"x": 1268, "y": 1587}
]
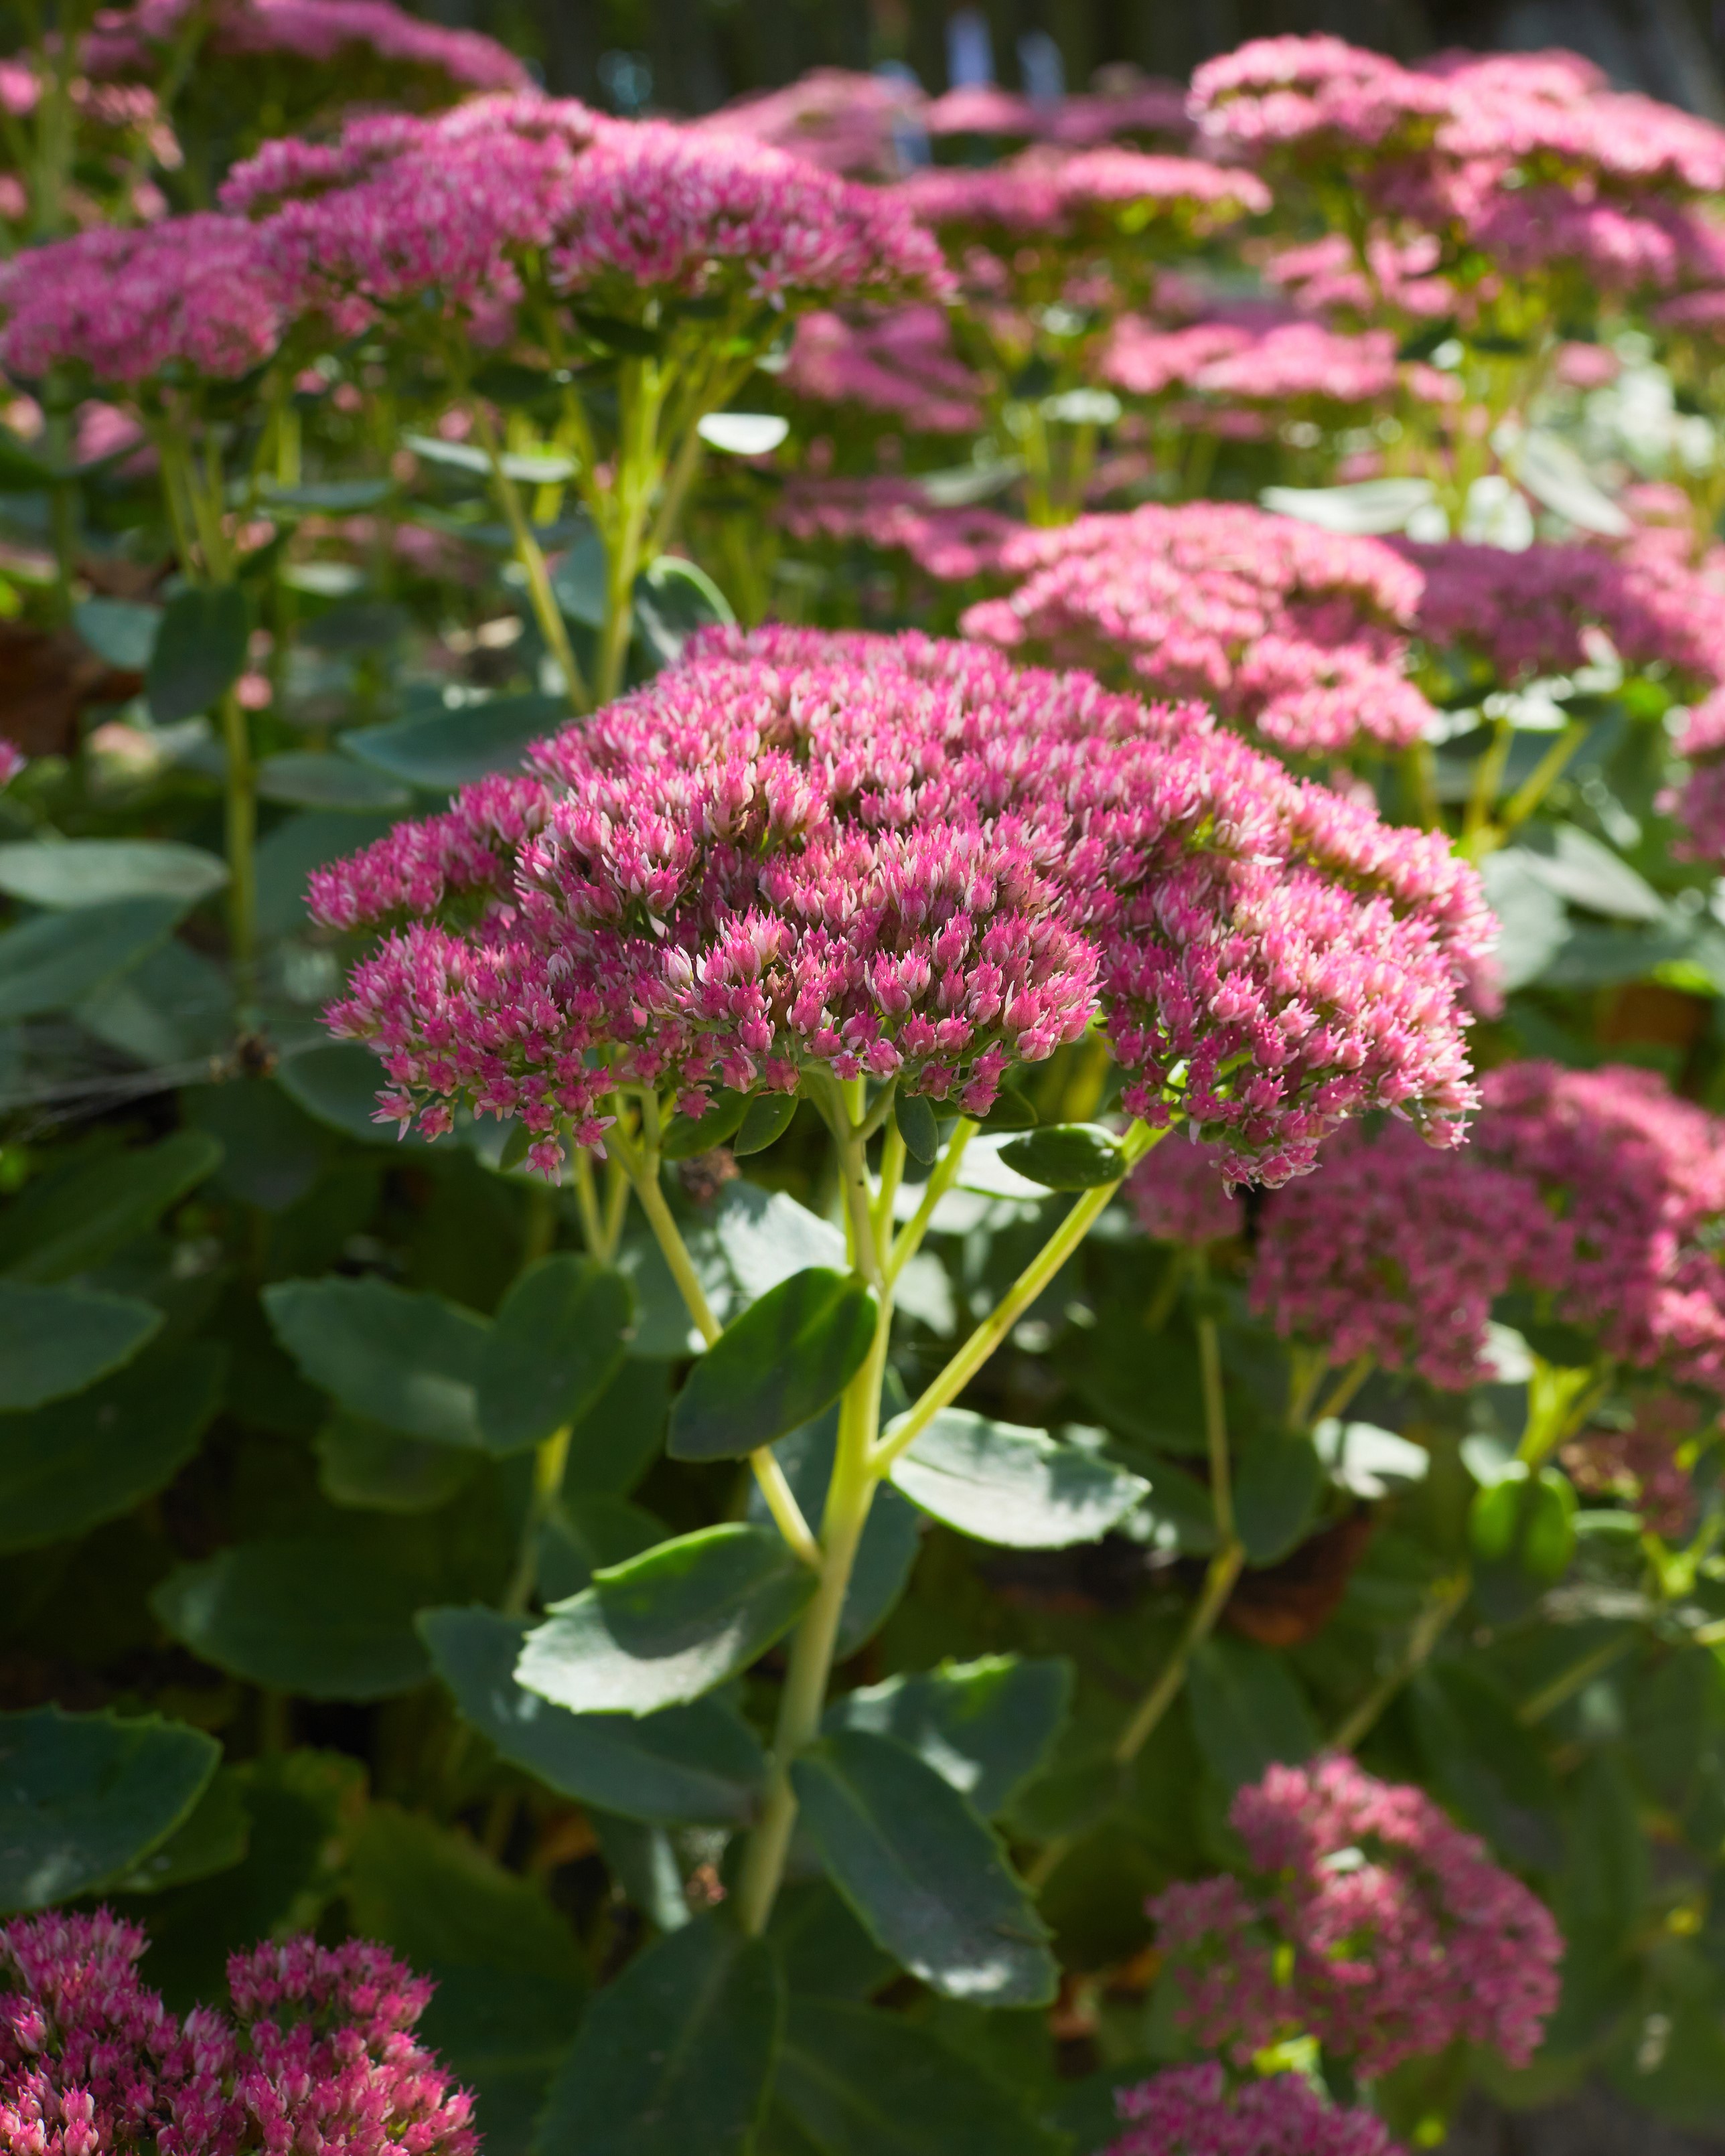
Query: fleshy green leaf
[
  {"x": 214, "y": 1839},
  {"x": 69, "y": 1222},
  {"x": 67, "y": 1467},
  {"x": 665, "y": 1627},
  {"x": 557, "y": 1342},
  {"x": 927, "y": 1878},
  {"x": 410, "y": 1361},
  {"x": 765, "y": 1236},
  {"x": 75, "y": 873},
  {"x": 914, "y": 1114},
  {"x": 1067, "y": 1157},
  {"x": 1278, "y": 1479},
  {"x": 362, "y": 1464},
  {"x": 743, "y": 433},
  {"x": 858, "y": 2081},
  {"x": 676, "y": 2055},
  {"x": 982, "y": 1726},
  {"x": 1000, "y": 1483},
  {"x": 306, "y": 778},
  {"x": 84, "y": 1797},
  {"x": 687, "y": 1136},
  {"x": 58, "y": 1340},
  {"x": 199, "y": 652},
  {"x": 1248, "y": 1711},
  {"x": 769, "y": 1118},
  {"x": 57, "y": 959},
  {"x": 448, "y": 749},
  {"x": 697, "y": 1763},
  {"x": 786, "y": 1358}
]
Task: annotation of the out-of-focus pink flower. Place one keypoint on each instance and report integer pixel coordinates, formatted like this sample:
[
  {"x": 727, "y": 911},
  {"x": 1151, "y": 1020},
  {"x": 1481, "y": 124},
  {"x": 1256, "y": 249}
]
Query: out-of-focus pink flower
[
  {"x": 1698, "y": 802},
  {"x": 896, "y": 514},
  {"x": 1373, "y": 1923},
  {"x": 1050, "y": 192},
  {"x": 1268, "y": 361},
  {"x": 127, "y": 41},
  {"x": 1293, "y": 631},
  {"x": 13, "y": 761},
  {"x": 838, "y": 118},
  {"x": 1180, "y": 1196},
  {"x": 1192, "y": 2111},
  {"x": 898, "y": 858},
  {"x": 902, "y": 362},
  {"x": 1638, "y": 1462}
]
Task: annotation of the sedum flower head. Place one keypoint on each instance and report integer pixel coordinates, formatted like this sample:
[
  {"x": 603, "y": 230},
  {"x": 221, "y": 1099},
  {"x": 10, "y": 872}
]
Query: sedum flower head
[
  {"x": 1180, "y": 1196},
  {"x": 1698, "y": 802},
  {"x": 1294, "y": 632},
  {"x": 902, "y": 362},
  {"x": 1192, "y": 2111},
  {"x": 128, "y": 41},
  {"x": 1373, "y": 1922},
  {"x": 193, "y": 296},
  {"x": 895, "y": 857}
]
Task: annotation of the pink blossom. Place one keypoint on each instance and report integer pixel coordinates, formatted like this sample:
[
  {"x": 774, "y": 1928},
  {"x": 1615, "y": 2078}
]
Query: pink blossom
[
  {"x": 1293, "y": 631},
  {"x": 902, "y": 859},
  {"x": 13, "y": 761},
  {"x": 1698, "y": 804},
  {"x": 1192, "y": 2111},
  {"x": 1316, "y": 94},
  {"x": 1253, "y": 361},
  {"x": 127, "y": 305},
  {"x": 1180, "y": 1196},
  {"x": 838, "y": 118},
  {"x": 1638, "y": 1461},
  {"x": 901, "y": 363},
  {"x": 1052, "y": 191},
  {"x": 1372, "y": 1922},
  {"x": 125, "y": 41},
  {"x": 891, "y": 514}
]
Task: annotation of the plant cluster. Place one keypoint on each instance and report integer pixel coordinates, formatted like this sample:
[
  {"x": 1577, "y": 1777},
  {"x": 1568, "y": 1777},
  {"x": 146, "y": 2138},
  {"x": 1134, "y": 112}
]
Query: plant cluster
[{"x": 862, "y": 1125}]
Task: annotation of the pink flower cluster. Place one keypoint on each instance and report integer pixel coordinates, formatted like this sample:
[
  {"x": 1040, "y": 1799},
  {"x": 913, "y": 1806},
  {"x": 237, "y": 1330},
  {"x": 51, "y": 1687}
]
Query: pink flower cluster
[
  {"x": 1050, "y": 191},
  {"x": 1374, "y": 1255},
  {"x": 1148, "y": 106},
  {"x": 1656, "y": 609},
  {"x": 1180, "y": 1196},
  {"x": 838, "y": 118},
  {"x": 1698, "y": 804},
  {"x": 1373, "y": 1924},
  {"x": 130, "y": 41},
  {"x": 1192, "y": 2111},
  {"x": 900, "y": 858},
  {"x": 1291, "y": 630},
  {"x": 1253, "y": 361},
  {"x": 1526, "y": 159},
  {"x": 902, "y": 363},
  {"x": 316, "y": 2055},
  {"x": 618, "y": 213},
  {"x": 1598, "y": 1191},
  {"x": 1639, "y": 1462},
  {"x": 194, "y": 295},
  {"x": 13, "y": 761},
  {"x": 890, "y": 515}
]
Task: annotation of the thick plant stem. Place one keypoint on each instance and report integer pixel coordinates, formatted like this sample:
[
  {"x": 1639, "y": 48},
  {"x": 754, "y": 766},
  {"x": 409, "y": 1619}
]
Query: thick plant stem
[
  {"x": 1342, "y": 1393},
  {"x": 943, "y": 1390},
  {"x": 1225, "y": 1568},
  {"x": 1446, "y": 1599},
  {"x": 548, "y": 1464},
  {"x": 546, "y": 613},
  {"x": 909, "y": 1239},
  {"x": 240, "y": 835}
]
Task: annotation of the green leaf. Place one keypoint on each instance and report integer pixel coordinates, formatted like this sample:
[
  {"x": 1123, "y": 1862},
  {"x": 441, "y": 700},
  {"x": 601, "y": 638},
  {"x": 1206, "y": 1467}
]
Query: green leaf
[
  {"x": 65, "y": 1467},
  {"x": 1526, "y": 1519},
  {"x": 687, "y": 1136},
  {"x": 1369, "y": 1462},
  {"x": 928, "y": 1880},
  {"x": 330, "y": 1616},
  {"x": 915, "y": 1117},
  {"x": 697, "y": 1763},
  {"x": 75, "y": 873},
  {"x": 614, "y": 333},
  {"x": 584, "y": 1531},
  {"x": 982, "y": 1726},
  {"x": 331, "y": 497},
  {"x": 1067, "y": 1157},
  {"x": 58, "y": 1340},
  {"x": 672, "y": 600},
  {"x": 121, "y": 631},
  {"x": 743, "y": 433},
  {"x": 579, "y": 578},
  {"x": 272, "y": 1151},
  {"x": 765, "y": 1236},
  {"x": 338, "y": 1083},
  {"x": 614, "y": 1443},
  {"x": 410, "y": 1361},
  {"x": 859, "y": 2081},
  {"x": 69, "y": 1221},
  {"x": 557, "y": 1342},
  {"x": 1484, "y": 1763},
  {"x": 822, "y": 1949},
  {"x": 54, "y": 961},
  {"x": 1000, "y": 1483},
  {"x": 536, "y": 469},
  {"x": 452, "y": 748},
  {"x": 1279, "y": 1478},
  {"x": 362, "y": 1464},
  {"x": 84, "y": 1797},
  {"x": 1530, "y": 919},
  {"x": 644, "y": 1865},
  {"x": 676, "y": 2055},
  {"x": 1248, "y": 1711},
  {"x": 666, "y": 1627},
  {"x": 214, "y": 1839},
  {"x": 787, "y": 1357},
  {"x": 306, "y": 778},
  {"x": 21, "y": 473},
  {"x": 199, "y": 652},
  {"x": 769, "y": 1118}
]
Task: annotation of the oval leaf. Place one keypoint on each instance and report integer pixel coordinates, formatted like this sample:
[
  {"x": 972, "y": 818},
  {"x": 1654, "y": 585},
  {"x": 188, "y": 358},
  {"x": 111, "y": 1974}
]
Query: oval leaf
[
  {"x": 676, "y": 2055},
  {"x": 68, "y": 1222},
  {"x": 698, "y": 1762},
  {"x": 557, "y": 1341},
  {"x": 917, "y": 1127},
  {"x": 81, "y": 872},
  {"x": 667, "y": 1626},
  {"x": 743, "y": 433},
  {"x": 199, "y": 652},
  {"x": 924, "y": 1875},
  {"x": 687, "y": 1136},
  {"x": 787, "y": 1357},
  {"x": 411, "y": 1361},
  {"x": 1066, "y": 1157},
  {"x": 447, "y": 749},
  {"x": 982, "y": 1726},
  {"x": 1000, "y": 1483},
  {"x": 56, "y": 960},
  {"x": 769, "y": 1118},
  {"x": 83, "y": 1796},
  {"x": 58, "y": 1340}
]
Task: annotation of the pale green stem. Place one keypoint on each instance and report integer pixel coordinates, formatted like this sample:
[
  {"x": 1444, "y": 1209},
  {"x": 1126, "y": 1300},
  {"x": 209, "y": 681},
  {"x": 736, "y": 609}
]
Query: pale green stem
[
  {"x": 944, "y": 1389},
  {"x": 909, "y": 1239},
  {"x": 1539, "y": 781},
  {"x": 1576, "y": 1678},
  {"x": 1559, "y": 1400},
  {"x": 1488, "y": 775},
  {"x": 548, "y": 614},
  {"x": 240, "y": 835},
  {"x": 1428, "y": 1629},
  {"x": 1223, "y": 1569},
  {"x": 1342, "y": 1393},
  {"x": 548, "y": 1463}
]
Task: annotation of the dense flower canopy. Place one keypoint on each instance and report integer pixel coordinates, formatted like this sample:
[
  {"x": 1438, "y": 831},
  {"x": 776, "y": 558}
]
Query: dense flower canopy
[
  {"x": 906, "y": 860},
  {"x": 901, "y": 363},
  {"x": 1291, "y": 630},
  {"x": 318, "y": 2052},
  {"x": 1180, "y": 1196},
  {"x": 1398, "y": 1933},
  {"x": 1191, "y": 2111},
  {"x": 1047, "y": 191}
]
